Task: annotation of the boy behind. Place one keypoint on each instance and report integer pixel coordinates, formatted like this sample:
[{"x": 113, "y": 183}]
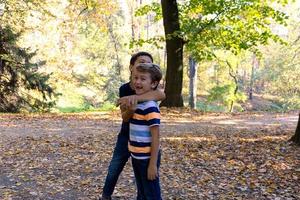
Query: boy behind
[{"x": 144, "y": 133}]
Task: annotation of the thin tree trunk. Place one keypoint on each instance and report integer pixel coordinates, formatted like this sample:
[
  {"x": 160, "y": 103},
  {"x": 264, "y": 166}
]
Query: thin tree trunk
[
  {"x": 174, "y": 46},
  {"x": 235, "y": 90},
  {"x": 296, "y": 136},
  {"x": 116, "y": 46},
  {"x": 132, "y": 23},
  {"x": 251, "y": 83},
  {"x": 216, "y": 74},
  {"x": 193, "y": 83},
  {"x": 234, "y": 76},
  {"x": 255, "y": 65}
]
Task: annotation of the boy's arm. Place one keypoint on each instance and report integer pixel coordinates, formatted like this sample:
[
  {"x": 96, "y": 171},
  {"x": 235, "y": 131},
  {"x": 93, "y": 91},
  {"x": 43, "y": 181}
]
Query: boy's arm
[
  {"x": 152, "y": 168},
  {"x": 155, "y": 95},
  {"x": 126, "y": 113}
]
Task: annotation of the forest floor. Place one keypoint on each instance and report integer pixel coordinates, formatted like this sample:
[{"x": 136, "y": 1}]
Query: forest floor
[{"x": 205, "y": 156}]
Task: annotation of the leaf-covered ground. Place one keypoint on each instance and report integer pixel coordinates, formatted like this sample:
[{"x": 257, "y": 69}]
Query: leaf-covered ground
[{"x": 205, "y": 156}]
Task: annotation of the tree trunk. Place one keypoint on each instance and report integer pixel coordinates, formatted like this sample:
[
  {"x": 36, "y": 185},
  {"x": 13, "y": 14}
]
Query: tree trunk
[
  {"x": 193, "y": 83},
  {"x": 116, "y": 45},
  {"x": 296, "y": 137},
  {"x": 251, "y": 83},
  {"x": 255, "y": 65},
  {"x": 234, "y": 76},
  {"x": 216, "y": 74},
  {"x": 174, "y": 46},
  {"x": 232, "y": 102},
  {"x": 132, "y": 22}
]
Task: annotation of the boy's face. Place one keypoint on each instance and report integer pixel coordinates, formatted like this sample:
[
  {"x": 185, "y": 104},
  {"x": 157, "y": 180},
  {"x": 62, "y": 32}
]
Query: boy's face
[
  {"x": 140, "y": 59},
  {"x": 142, "y": 82}
]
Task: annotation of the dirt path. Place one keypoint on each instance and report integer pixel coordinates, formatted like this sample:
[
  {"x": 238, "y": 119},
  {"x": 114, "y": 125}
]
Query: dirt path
[
  {"x": 70, "y": 125},
  {"x": 205, "y": 156}
]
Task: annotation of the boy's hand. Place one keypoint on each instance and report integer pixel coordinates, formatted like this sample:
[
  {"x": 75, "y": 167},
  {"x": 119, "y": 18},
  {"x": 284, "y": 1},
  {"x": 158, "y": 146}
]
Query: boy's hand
[
  {"x": 152, "y": 172},
  {"x": 132, "y": 106},
  {"x": 127, "y": 101}
]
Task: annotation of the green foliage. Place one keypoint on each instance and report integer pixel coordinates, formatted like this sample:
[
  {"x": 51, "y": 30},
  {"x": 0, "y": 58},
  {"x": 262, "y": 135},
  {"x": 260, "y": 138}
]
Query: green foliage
[
  {"x": 225, "y": 95},
  {"x": 85, "y": 48},
  {"x": 208, "y": 107},
  {"x": 107, "y": 106},
  {"x": 151, "y": 8},
  {"x": 229, "y": 25},
  {"x": 155, "y": 41},
  {"x": 22, "y": 86},
  {"x": 15, "y": 13}
]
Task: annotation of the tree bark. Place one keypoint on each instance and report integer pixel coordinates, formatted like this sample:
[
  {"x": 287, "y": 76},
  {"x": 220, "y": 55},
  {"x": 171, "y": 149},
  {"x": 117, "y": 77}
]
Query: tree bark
[
  {"x": 255, "y": 65},
  {"x": 116, "y": 45},
  {"x": 251, "y": 83},
  {"x": 234, "y": 76},
  {"x": 296, "y": 136},
  {"x": 174, "y": 46},
  {"x": 193, "y": 83}
]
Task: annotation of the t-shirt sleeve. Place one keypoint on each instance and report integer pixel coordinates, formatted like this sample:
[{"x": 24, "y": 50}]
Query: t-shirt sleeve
[
  {"x": 122, "y": 91},
  {"x": 125, "y": 90},
  {"x": 153, "y": 116}
]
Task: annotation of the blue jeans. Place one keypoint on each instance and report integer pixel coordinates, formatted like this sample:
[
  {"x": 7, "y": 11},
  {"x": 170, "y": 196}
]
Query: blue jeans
[
  {"x": 117, "y": 163},
  {"x": 146, "y": 189}
]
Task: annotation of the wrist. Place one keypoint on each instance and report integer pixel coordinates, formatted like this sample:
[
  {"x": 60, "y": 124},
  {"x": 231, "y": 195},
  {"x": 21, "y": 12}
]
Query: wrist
[
  {"x": 137, "y": 97},
  {"x": 152, "y": 163}
]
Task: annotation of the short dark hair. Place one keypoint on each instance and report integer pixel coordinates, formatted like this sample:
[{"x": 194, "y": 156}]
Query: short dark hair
[
  {"x": 153, "y": 69},
  {"x": 135, "y": 56}
]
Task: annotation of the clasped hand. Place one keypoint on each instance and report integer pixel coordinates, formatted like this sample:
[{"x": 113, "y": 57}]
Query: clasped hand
[{"x": 128, "y": 102}]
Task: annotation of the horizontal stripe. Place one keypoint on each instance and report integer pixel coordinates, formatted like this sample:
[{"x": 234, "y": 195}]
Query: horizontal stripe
[
  {"x": 139, "y": 122},
  {"x": 141, "y": 154},
  {"x": 139, "y": 127},
  {"x": 140, "y": 157},
  {"x": 144, "y": 123},
  {"x": 139, "y": 149},
  {"x": 153, "y": 121},
  {"x": 147, "y": 104},
  {"x": 140, "y": 144},
  {"x": 154, "y": 125},
  {"x": 146, "y": 111},
  {"x": 140, "y": 133},
  {"x": 147, "y": 117},
  {"x": 140, "y": 139}
]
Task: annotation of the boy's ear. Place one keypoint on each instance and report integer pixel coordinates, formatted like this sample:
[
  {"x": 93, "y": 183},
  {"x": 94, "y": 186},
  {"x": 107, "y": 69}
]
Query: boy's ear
[
  {"x": 130, "y": 68},
  {"x": 154, "y": 84}
]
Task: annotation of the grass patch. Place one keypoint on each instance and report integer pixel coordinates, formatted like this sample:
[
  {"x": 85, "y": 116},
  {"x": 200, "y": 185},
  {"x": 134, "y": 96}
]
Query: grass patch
[
  {"x": 210, "y": 107},
  {"x": 87, "y": 108}
]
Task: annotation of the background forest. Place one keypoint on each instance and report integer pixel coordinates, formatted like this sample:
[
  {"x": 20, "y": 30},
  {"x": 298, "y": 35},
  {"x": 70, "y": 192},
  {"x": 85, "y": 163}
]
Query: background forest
[
  {"x": 62, "y": 56},
  {"x": 72, "y": 55}
]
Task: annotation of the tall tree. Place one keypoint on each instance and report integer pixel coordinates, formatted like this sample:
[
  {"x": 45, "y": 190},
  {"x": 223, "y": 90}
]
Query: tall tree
[
  {"x": 21, "y": 85},
  {"x": 174, "y": 46},
  {"x": 208, "y": 26}
]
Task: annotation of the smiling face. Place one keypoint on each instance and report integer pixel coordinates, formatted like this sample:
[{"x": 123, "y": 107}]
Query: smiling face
[
  {"x": 140, "y": 59},
  {"x": 142, "y": 82}
]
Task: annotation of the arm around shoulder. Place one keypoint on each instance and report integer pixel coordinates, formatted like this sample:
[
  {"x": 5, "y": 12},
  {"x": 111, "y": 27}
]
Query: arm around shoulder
[
  {"x": 127, "y": 112},
  {"x": 154, "y": 95}
]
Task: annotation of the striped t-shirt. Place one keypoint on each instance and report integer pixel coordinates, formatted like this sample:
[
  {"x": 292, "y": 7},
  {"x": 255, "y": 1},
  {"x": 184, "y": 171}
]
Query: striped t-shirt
[{"x": 147, "y": 114}]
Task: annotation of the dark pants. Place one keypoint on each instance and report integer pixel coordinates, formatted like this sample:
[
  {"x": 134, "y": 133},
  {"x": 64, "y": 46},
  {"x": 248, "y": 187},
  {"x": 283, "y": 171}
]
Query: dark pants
[
  {"x": 146, "y": 189},
  {"x": 117, "y": 163}
]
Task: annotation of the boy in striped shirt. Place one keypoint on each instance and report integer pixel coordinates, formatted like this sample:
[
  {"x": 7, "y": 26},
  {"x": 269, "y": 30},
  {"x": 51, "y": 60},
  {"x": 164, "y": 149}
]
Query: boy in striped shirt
[{"x": 144, "y": 133}]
